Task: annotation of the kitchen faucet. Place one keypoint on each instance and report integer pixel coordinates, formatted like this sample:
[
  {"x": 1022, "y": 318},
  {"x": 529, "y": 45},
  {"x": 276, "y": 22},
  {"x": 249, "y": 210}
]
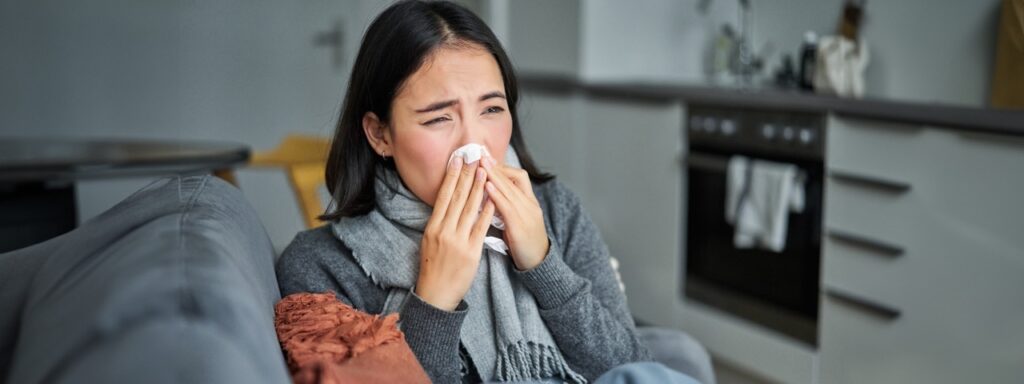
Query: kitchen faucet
[{"x": 745, "y": 62}]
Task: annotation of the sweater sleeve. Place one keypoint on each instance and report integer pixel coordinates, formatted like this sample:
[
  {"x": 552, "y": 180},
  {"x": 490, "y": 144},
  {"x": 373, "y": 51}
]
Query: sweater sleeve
[
  {"x": 433, "y": 336},
  {"x": 315, "y": 261},
  {"x": 578, "y": 293},
  {"x": 306, "y": 266}
]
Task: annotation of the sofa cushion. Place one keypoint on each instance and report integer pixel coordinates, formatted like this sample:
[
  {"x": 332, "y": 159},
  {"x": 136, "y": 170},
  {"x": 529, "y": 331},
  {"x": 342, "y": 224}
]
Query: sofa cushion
[
  {"x": 17, "y": 268},
  {"x": 175, "y": 283}
]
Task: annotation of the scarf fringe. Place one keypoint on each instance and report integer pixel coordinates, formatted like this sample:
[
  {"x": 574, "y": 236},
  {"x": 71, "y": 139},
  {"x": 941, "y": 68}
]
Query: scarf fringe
[{"x": 525, "y": 360}]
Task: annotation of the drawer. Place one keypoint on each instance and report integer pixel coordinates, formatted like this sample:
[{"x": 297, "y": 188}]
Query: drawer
[
  {"x": 968, "y": 176},
  {"x": 903, "y": 254},
  {"x": 949, "y": 310},
  {"x": 953, "y": 320},
  {"x": 855, "y": 348},
  {"x": 955, "y": 189},
  {"x": 922, "y": 260},
  {"x": 880, "y": 149},
  {"x": 945, "y": 262}
]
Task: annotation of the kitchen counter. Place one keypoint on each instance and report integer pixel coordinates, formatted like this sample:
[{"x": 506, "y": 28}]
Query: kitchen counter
[
  {"x": 986, "y": 120},
  {"x": 914, "y": 198}
]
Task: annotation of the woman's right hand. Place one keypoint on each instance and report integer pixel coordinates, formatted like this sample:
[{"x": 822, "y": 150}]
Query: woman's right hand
[{"x": 454, "y": 236}]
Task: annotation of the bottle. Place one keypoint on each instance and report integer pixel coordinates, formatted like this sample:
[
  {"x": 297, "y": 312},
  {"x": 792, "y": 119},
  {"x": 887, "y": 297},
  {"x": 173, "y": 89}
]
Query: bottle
[
  {"x": 808, "y": 60},
  {"x": 721, "y": 54},
  {"x": 849, "y": 21},
  {"x": 786, "y": 76}
]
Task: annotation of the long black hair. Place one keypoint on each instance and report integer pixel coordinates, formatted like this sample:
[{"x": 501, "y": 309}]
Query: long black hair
[{"x": 394, "y": 47}]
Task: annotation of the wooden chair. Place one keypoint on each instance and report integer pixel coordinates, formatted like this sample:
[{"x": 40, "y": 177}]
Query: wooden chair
[{"x": 304, "y": 160}]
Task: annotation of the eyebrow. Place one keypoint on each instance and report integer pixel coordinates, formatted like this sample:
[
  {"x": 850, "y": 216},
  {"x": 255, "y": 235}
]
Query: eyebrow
[{"x": 447, "y": 103}]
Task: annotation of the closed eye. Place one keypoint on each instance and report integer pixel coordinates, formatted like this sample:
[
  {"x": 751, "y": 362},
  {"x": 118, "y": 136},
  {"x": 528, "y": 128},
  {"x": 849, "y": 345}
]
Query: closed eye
[{"x": 437, "y": 120}]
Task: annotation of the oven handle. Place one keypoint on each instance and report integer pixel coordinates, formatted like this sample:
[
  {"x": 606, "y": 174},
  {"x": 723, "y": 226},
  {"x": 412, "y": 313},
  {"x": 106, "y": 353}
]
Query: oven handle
[
  {"x": 707, "y": 162},
  {"x": 870, "y": 306}
]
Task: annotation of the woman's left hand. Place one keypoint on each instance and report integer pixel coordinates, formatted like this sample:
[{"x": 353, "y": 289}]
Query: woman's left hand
[{"x": 510, "y": 190}]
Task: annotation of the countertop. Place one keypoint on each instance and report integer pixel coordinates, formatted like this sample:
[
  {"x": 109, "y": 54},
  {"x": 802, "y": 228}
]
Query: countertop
[
  {"x": 986, "y": 120},
  {"x": 23, "y": 159}
]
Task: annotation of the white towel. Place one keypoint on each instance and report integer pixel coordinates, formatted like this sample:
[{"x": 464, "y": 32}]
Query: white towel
[
  {"x": 759, "y": 197},
  {"x": 841, "y": 64}
]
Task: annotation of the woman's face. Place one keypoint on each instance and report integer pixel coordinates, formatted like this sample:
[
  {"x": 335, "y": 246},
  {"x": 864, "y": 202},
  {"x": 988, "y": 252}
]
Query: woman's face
[{"x": 457, "y": 97}]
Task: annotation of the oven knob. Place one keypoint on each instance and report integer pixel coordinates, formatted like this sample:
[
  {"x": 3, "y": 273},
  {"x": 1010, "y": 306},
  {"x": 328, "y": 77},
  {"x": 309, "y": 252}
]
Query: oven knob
[
  {"x": 806, "y": 136},
  {"x": 788, "y": 133},
  {"x": 768, "y": 131},
  {"x": 709, "y": 124},
  {"x": 728, "y": 127}
]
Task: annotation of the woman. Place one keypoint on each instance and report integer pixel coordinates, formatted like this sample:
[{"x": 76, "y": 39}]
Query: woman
[{"x": 540, "y": 301}]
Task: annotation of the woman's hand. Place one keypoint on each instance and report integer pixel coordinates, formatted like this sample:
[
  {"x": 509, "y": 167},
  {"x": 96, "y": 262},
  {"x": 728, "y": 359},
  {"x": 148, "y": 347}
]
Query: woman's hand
[
  {"x": 511, "y": 192},
  {"x": 454, "y": 236}
]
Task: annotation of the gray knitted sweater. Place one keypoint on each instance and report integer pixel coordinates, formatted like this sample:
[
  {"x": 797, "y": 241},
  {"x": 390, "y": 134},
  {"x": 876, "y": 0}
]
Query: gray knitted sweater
[{"x": 575, "y": 288}]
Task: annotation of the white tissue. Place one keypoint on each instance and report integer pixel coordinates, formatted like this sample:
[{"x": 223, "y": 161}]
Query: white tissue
[
  {"x": 471, "y": 153},
  {"x": 498, "y": 245}
]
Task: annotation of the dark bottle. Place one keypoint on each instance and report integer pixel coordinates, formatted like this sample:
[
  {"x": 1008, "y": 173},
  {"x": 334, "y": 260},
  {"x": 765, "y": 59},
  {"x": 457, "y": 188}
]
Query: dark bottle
[{"x": 808, "y": 60}]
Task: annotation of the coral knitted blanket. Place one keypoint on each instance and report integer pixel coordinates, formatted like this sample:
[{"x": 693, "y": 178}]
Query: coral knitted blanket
[{"x": 326, "y": 341}]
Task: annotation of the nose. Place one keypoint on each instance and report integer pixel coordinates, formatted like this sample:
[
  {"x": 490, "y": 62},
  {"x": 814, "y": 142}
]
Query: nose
[{"x": 472, "y": 132}]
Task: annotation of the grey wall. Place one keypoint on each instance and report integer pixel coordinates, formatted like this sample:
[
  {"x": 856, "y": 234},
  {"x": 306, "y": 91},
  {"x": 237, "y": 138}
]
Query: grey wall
[
  {"x": 921, "y": 50},
  {"x": 653, "y": 40},
  {"x": 243, "y": 71},
  {"x": 542, "y": 36}
]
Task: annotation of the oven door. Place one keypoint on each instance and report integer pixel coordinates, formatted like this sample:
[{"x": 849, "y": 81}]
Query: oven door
[{"x": 776, "y": 290}]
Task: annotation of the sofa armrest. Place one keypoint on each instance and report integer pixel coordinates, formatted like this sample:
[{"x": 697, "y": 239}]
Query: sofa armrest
[{"x": 175, "y": 283}]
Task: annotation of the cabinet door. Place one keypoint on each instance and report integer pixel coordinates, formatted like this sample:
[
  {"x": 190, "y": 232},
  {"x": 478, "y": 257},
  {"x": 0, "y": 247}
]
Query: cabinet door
[
  {"x": 632, "y": 186},
  {"x": 953, "y": 290},
  {"x": 622, "y": 158}
]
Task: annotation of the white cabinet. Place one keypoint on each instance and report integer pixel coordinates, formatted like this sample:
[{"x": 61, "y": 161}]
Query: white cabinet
[
  {"x": 621, "y": 158},
  {"x": 923, "y": 267}
]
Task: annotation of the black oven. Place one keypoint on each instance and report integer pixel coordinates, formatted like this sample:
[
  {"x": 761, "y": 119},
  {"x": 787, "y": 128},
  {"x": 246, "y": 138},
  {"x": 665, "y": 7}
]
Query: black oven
[{"x": 777, "y": 290}]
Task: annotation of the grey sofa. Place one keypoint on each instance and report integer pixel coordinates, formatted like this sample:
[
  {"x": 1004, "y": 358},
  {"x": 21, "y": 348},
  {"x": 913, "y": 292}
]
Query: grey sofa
[{"x": 174, "y": 284}]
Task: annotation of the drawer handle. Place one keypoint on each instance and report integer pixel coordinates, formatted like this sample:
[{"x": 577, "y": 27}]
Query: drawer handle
[
  {"x": 865, "y": 242},
  {"x": 897, "y": 187},
  {"x": 881, "y": 310}
]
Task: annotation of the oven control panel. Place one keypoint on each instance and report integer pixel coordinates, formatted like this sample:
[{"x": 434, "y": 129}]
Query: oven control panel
[{"x": 783, "y": 132}]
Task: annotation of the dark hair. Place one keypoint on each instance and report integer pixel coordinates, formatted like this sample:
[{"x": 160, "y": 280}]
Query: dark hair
[{"x": 396, "y": 45}]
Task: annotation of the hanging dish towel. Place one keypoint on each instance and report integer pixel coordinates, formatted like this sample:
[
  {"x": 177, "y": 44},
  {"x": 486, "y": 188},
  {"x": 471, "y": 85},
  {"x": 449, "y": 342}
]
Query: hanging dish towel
[{"x": 759, "y": 197}]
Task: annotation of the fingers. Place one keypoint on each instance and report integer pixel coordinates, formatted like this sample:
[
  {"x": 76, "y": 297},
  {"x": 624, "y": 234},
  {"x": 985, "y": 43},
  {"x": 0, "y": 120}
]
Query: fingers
[
  {"x": 520, "y": 179},
  {"x": 459, "y": 195},
  {"x": 476, "y": 196},
  {"x": 504, "y": 184},
  {"x": 483, "y": 222},
  {"x": 444, "y": 194},
  {"x": 501, "y": 201}
]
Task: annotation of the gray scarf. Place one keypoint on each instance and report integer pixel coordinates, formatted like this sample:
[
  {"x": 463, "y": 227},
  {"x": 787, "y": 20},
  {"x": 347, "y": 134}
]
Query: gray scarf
[{"x": 503, "y": 331}]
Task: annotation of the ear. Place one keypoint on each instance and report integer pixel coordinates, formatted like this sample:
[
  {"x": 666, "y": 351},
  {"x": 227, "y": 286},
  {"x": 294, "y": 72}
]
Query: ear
[{"x": 377, "y": 134}]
